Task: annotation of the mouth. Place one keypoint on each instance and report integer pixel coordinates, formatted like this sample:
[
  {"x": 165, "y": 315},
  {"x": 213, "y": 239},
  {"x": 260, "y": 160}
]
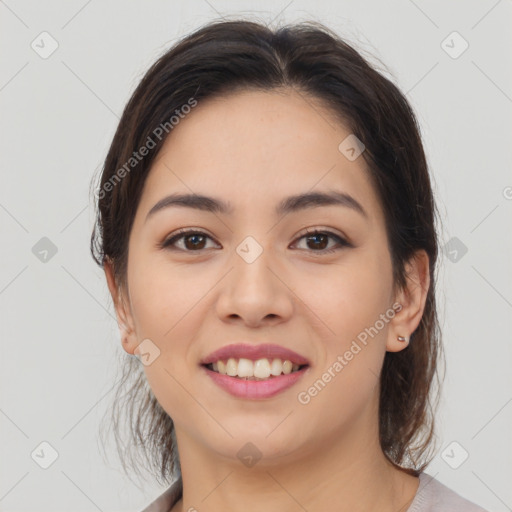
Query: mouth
[
  {"x": 256, "y": 383},
  {"x": 254, "y": 370}
]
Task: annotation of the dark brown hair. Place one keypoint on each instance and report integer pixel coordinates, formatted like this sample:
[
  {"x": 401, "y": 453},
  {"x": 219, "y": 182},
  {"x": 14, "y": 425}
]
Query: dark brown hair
[{"x": 309, "y": 58}]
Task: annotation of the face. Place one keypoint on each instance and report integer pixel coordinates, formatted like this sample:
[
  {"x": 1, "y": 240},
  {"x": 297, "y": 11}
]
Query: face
[{"x": 256, "y": 274}]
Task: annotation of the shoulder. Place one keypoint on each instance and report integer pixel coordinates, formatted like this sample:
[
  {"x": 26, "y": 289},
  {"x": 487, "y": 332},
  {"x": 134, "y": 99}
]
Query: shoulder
[
  {"x": 433, "y": 496},
  {"x": 167, "y": 499}
]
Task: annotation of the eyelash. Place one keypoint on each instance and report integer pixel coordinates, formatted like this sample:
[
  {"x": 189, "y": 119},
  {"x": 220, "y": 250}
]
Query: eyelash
[{"x": 182, "y": 233}]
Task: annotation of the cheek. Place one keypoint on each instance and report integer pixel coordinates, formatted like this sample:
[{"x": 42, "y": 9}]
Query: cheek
[
  {"x": 343, "y": 384},
  {"x": 168, "y": 303},
  {"x": 355, "y": 305},
  {"x": 162, "y": 297},
  {"x": 345, "y": 393},
  {"x": 349, "y": 297}
]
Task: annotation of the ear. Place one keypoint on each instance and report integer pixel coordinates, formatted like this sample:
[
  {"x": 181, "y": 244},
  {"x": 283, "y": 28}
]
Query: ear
[
  {"x": 123, "y": 311},
  {"x": 412, "y": 298}
]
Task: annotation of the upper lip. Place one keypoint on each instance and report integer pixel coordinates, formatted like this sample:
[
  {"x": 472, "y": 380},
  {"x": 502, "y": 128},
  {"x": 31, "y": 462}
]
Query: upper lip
[{"x": 254, "y": 352}]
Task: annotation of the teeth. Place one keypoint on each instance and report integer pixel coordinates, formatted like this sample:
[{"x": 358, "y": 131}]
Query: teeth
[
  {"x": 277, "y": 367},
  {"x": 245, "y": 368},
  {"x": 260, "y": 369},
  {"x": 231, "y": 368}
]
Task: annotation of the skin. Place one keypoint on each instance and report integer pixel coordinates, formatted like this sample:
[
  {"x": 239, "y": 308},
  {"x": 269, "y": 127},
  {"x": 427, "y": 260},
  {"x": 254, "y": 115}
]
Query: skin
[{"x": 252, "y": 149}]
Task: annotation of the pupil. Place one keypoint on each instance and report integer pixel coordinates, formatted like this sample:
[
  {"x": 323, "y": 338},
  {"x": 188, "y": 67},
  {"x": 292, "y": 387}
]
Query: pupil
[
  {"x": 194, "y": 244},
  {"x": 319, "y": 235}
]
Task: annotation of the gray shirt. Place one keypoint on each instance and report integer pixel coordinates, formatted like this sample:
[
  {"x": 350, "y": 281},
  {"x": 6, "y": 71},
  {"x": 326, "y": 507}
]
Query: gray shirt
[{"x": 431, "y": 496}]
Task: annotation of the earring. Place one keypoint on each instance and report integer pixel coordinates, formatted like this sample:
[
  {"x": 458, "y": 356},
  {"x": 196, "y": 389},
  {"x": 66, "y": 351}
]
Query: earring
[{"x": 401, "y": 338}]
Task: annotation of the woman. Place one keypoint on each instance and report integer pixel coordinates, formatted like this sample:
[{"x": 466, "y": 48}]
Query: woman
[{"x": 267, "y": 229}]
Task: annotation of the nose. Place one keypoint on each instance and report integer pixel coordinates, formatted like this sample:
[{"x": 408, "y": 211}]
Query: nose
[{"x": 256, "y": 293}]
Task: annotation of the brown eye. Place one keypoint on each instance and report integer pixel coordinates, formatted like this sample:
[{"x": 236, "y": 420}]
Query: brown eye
[
  {"x": 193, "y": 241},
  {"x": 318, "y": 241}
]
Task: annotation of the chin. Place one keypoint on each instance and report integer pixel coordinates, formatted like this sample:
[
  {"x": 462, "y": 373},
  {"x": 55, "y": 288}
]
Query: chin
[{"x": 262, "y": 442}]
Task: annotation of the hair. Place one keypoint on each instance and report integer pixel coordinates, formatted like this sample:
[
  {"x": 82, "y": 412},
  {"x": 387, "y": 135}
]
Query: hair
[{"x": 227, "y": 56}]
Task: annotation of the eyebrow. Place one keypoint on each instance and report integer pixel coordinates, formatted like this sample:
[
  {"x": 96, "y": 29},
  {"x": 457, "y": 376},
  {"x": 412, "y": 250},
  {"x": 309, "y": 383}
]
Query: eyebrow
[{"x": 290, "y": 204}]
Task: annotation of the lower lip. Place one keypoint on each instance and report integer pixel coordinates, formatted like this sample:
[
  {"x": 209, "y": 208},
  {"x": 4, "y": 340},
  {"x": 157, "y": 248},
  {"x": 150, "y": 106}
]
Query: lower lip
[{"x": 255, "y": 388}]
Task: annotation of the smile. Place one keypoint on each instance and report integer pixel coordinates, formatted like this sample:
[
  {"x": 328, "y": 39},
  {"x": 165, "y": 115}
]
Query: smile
[
  {"x": 251, "y": 387},
  {"x": 261, "y": 369}
]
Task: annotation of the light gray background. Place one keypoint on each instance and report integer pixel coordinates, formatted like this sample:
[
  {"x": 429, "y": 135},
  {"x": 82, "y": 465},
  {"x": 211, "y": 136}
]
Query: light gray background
[{"x": 58, "y": 116}]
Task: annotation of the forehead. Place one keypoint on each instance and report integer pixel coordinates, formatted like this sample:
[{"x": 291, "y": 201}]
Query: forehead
[{"x": 252, "y": 145}]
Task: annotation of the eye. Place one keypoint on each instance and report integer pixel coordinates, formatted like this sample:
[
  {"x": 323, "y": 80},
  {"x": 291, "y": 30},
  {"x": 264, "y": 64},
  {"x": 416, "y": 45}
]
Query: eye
[
  {"x": 318, "y": 241},
  {"x": 193, "y": 240}
]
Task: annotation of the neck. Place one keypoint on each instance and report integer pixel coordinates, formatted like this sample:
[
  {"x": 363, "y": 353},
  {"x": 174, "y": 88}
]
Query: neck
[{"x": 346, "y": 473}]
